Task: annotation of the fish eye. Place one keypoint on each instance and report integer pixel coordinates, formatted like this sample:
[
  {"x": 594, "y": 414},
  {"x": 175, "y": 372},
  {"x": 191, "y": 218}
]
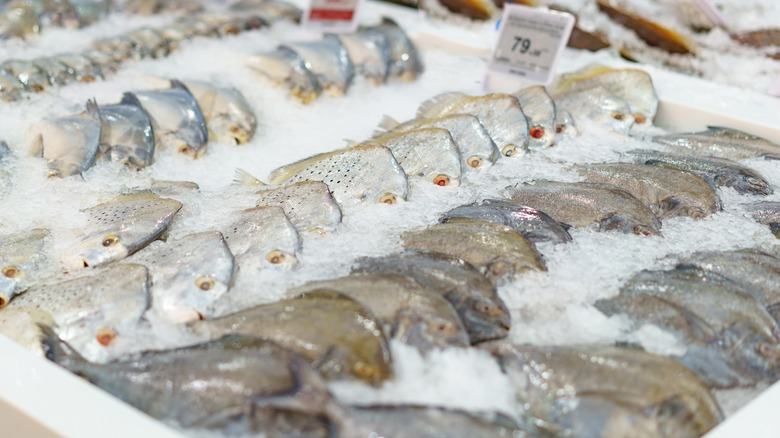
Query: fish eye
[
  {"x": 110, "y": 240},
  {"x": 559, "y": 129},
  {"x": 441, "y": 180},
  {"x": 234, "y": 129},
  {"x": 388, "y": 198},
  {"x": 275, "y": 257},
  {"x": 508, "y": 150},
  {"x": 441, "y": 326},
  {"x": 364, "y": 370},
  {"x": 696, "y": 214},
  {"x": 105, "y": 336},
  {"x": 204, "y": 283},
  {"x": 474, "y": 161},
  {"x": 11, "y": 271},
  {"x": 765, "y": 350},
  {"x": 754, "y": 181},
  {"x": 536, "y": 132},
  {"x": 184, "y": 149},
  {"x": 639, "y": 119},
  {"x": 618, "y": 116}
]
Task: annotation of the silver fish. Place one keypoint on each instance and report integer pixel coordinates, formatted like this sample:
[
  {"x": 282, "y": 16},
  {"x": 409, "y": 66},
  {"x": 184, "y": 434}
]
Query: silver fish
[
  {"x": 188, "y": 274},
  {"x": 367, "y": 173},
  {"x": 24, "y": 262},
  {"x": 70, "y": 144},
  {"x": 722, "y": 142},
  {"x": 599, "y": 106},
  {"x": 262, "y": 237},
  {"x": 29, "y": 74},
  {"x": 284, "y": 65},
  {"x": 10, "y": 87},
  {"x": 177, "y": 121},
  {"x": 766, "y": 213},
  {"x": 308, "y": 204},
  {"x": 329, "y": 61},
  {"x": 369, "y": 51},
  {"x": 539, "y": 108},
  {"x": 120, "y": 227},
  {"x": 126, "y": 134},
  {"x": 229, "y": 117},
  {"x": 405, "y": 61},
  {"x": 81, "y": 67},
  {"x": 58, "y": 73}
]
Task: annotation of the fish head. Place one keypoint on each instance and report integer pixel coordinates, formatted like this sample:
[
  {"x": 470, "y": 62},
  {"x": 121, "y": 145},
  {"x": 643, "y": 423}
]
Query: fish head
[
  {"x": 97, "y": 250},
  {"x": 751, "y": 352},
  {"x": 749, "y": 182},
  {"x": 231, "y": 130},
  {"x": 541, "y": 136},
  {"x": 485, "y": 320},
  {"x": 190, "y": 147},
  {"x": 428, "y": 331},
  {"x": 614, "y": 113},
  {"x": 8, "y": 284}
]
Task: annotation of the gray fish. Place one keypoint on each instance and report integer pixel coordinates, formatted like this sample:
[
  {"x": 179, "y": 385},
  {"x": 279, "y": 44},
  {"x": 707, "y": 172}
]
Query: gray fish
[
  {"x": 731, "y": 339},
  {"x": 234, "y": 372},
  {"x": 70, "y": 144},
  {"x": 534, "y": 225},
  {"x": 177, "y": 121},
  {"x": 539, "y": 108},
  {"x": 722, "y": 142},
  {"x": 500, "y": 115},
  {"x": 188, "y": 274},
  {"x": 126, "y": 134},
  {"x": 601, "y": 207},
  {"x": 333, "y": 332},
  {"x": 58, "y": 73},
  {"x": 269, "y": 421},
  {"x": 10, "y": 87},
  {"x": 229, "y": 117},
  {"x": 405, "y": 61},
  {"x": 364, "y": 173},
  {"x": 308, "y": 204},
  {"x": 272, "y": 10},
  {"x": 667, "y": 191},
  {"x": 482, "y": 311},
  {"x": 24, "y": 260},
  {"x": 718, "y": 171},
  {"x": 476, "y": 148},
  {"x": 408, "y": 311},
  {"x": 766, "y": 213},
  {"x": 284, "y": 65},
  {"x": 262, "y": 237},
  {"x": 602, "y": 391},
  {"x": 29, "y": 74},
  {"x": 329, "y": 61},
  {"x": 369, "y": 51},
  {"x": 148, "y": 43},
  {"x": 91, "y": 311},
  {"x": 599, "y": 106},
  {"x": 81, "y": 67},
  {"x": 120, "y": 227}
]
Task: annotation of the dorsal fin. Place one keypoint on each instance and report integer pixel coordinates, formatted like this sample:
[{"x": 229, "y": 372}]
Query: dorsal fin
[
  {"x": 131, "y": 99},
  {"x": 243, "y": 178},
  {"x": 387, "y": 124},
  {"x": 350, "y": 143},
  {"x": 93, "y": 110},
  {"x": 440, "y": 105}
]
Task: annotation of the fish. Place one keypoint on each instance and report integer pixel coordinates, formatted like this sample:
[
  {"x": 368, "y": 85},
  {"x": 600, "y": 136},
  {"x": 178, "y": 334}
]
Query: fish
[
  {"x": 120, "y": 227},
  {"x": 667, "y": 191},
  {"x": 126, "y": 134},
  {"x": 120, "y": 48},
  {"x": 498, "y": 251},
  {"x": 353, "y": 345},
  {"x": 19, "y": 20},
  {"x": 483, "y": 312},
  {"x": 651, "y": 32},
  {"x": 721, "y": 142},
  {"x": 766, "y": 213},
  {"x": 308, "y": 204},
  {"x": 272, "y": 10},
  {"x": 57, "y": 13},
  {"x": 24, "y": 262},
  {"x": 26, "y": 72},
  {"x": 58, "y": 74},
  {"x": 534, "y": 225},
  {"x": 581, "y": 38},
  {"x": 177, "y": 121},
  {"x": 607, "y": 391},
  {"x": 369, "y": 51},
  {"x": 329, "y": 61},
  {"x": 476, "y": 148},
  {"x": 188, "y": 274},
  {"x": 539, "y": 108},
  {"x": 478, "y": 10},
  {"x": 600, "y": 207},
  {"x": 81, "y": 67},
  {"x": 172, "y": 188},
  {"x": 427, "y": 153},
  {"x": 93, "y": 311},
  {"x": 632, "y": 85},
  {"x": 599, "y": 106},
  {"x": 262, "y": 237},
  {"x": 7, "y": 167},
  {"x": 284, "y": 65},
  {"x": 91, "y": 11},
  {"x": 405, "y": 62},
  {"x": 758, "y": 38},
  {"x": 408, "y": 311},
  {"x": 233, "y": 372},
  {"x": 500, "y": 114},
  {"x": 264, "y": 420},
  {"x": 70, "y": 144},
  {"x": 719, "y": 172},
  {"x": 229, "y": 117},
  {"x": 564, "y": 123},
  {"x": 361, "y": 174},
  {"x": 10, "y": 87},
  {"x": 731, "y": 339},
  {"x": 148, "y": 43},
  {"x": 153, "y": 7}
]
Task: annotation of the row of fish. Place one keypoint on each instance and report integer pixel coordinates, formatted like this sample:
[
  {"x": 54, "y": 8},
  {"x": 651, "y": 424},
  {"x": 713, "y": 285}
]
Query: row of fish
[
  {"x": 181, "y": 118},
  {"x": 307, "y": 68}
]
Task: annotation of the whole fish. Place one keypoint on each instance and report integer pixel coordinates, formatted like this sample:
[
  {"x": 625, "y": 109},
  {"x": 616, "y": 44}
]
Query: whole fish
[
  {"x": 632, "y": 85},
  {"x": 667, "y": 191},
  {"x": 426, "y": 153},
  {"x": 333, "y": 332},
  {"x": 369, "y": 51},
  {"x": 364, "y": 173},
  {"x": 482, "y": 311},
  {"x": 177, "y": 121},
  {"x": 539, "y": 108},
  {"x": 188, "y": 274},
  {"x": 26, "y": 72},
  {"x": 81, "y": 67},
  {"x": 262, "y": 237},
  {"x": 120, "y": 48},
  {"x": 604, "y": 391},
  {"x": 601, "y": 207},
  {"x": 405, "y": 61},
  {"x": 766, "y": 213},
  {"x": 209, "y": 378},
  {"x": 722, "y": 142},
  {"x": 534, "y": 225},
  {"x": 284, "y": 65},
  {"x": 70, "y": 144},
  {"x": 500, "y": 114},
  {"x": 120, "y": 227},
  {"x": 91, "y": 311},
  {"x": 57, "y": 73},
  {"x": 731, "y": 339},
  {"x": 229, "y": 117},
  {"x": 24, "y": 262},
  {"x": 329, "y": 61},
  {"x": 718, "y": 171},
  {"x": 10, "y": 87},
  {"x": 408, "y": 311},
  {"x": 272, "y": 10},
  {"x": 126, "y": 134},
  {"x": 599, "y": 106},
  {"x": 476, "y": 148}
]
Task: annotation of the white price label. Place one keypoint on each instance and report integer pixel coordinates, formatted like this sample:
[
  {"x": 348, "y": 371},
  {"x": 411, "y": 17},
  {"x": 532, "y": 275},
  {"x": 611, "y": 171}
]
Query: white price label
[
  {"x": 711, "y": 12},
  {"x": 332, "y": 15},
  {"x": 774, "y": 89},
  {"x": 530, "y": 41}
]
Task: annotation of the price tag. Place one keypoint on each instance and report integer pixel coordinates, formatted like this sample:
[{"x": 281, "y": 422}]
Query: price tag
[
  {"x": 530, "y": 42},
  {"x": 774, "y": 89},
  {"x": 332, "y": 15},
  {"x": 708, "y": 9}
]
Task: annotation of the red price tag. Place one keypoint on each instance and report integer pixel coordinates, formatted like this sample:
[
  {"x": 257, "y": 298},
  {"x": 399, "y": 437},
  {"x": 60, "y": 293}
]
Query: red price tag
[{"x": 332, "y": 15}]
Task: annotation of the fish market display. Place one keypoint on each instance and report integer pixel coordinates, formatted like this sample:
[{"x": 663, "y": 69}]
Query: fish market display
[
  {"x": 262, "y": 237},
  {"x": 126, "y": 134}
]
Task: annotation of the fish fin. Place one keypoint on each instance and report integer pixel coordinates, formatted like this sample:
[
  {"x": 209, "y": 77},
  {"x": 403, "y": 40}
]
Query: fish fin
[
  {"x": 57, "y": 350},
  {"x": 93, "y": 110},
  {"x": 175, "y": 83},
  {"x": 775, "y": 228},
  {"x": 565, "y": 226},
  {"x": 243, "y": 178},
  {"x": 388, "y": 20},
  {"x": 385, "y": 125},
  {"x": 351, "y": 143},
  {"x": 774, "y": 311},
  {"x": 440, "y": 105},
  {"x": 771, "y": 157},
  {"x": 132, "y": 100}
]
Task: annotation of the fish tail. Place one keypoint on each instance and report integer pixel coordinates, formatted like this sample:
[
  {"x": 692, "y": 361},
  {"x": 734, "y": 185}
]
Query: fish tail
[
  {"x": 243, "y": 178},
  {"x": 57, "y": 350}
]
